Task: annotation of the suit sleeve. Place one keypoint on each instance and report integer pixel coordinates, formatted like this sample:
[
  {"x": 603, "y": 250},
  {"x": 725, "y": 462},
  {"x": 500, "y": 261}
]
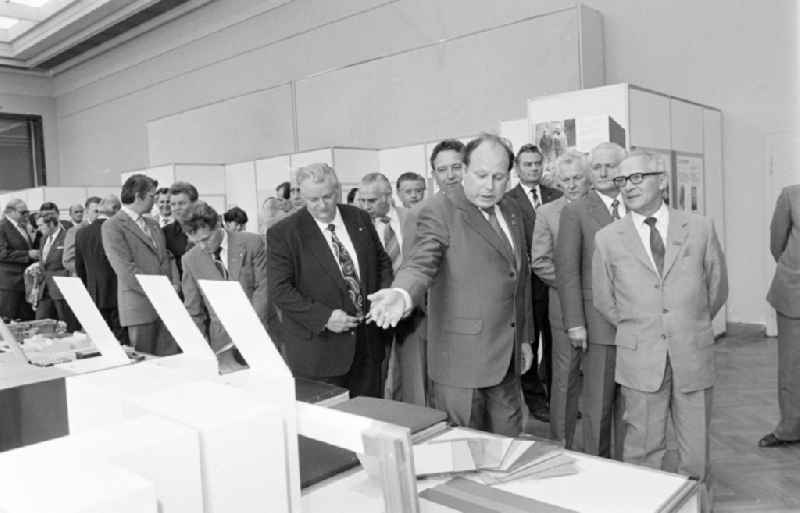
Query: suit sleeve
[
  {"x": 568, "y": 256},
  {"x": 259, "y": 262},
  {"x": 68, "y": 257},
  {"x": 80, "y": 265},
  {"x": 193, "y": 299},
  {"x": 283, "y": 292},
  {"x": 119, "y": 254},
  {"x": 602, "y": 282},
  {"x": 10, "y": 255},
  {"x": 542, "y": 252},
  {"x": 716, "y": 272},
  {"x": 422, "y": 265},
  {"x": 781, "y": 225}
]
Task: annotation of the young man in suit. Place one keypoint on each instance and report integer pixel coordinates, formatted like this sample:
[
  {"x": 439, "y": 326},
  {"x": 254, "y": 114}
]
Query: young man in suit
[
  {"x": 530, "y": 194},
  {"x": 470, "y": 262},
  {"x": 323, "y": 260},
  {"x": 134, "y": 244},
  {"x": 589, "y": 333},
  {"x": 51, "y": 304},
  {"x": 219, "y": 254},
  {"x": 16, "y": 253},
  {"x": 182, "y": 196},
  {"x": 49, "y": 206},
  {"x": 571, "y": 175},
  {"x": 93, "y": 268},
  {"x": 659, "y": 276},
  {"x": 784, "y": 296}
]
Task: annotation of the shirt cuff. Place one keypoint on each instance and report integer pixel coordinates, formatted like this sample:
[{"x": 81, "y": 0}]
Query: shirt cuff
[
  {"x": 408, "y": 305},
  {"x": 576, "y": 328}
]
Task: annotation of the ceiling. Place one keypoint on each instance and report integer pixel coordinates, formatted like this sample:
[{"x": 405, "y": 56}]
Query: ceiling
[{"x": 52, "y": 35}]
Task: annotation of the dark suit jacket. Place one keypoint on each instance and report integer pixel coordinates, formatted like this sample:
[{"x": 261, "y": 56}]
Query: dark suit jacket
[
  {"x": 306, "y": 285},
  {"x": 247, "y": 264},
  {"x": 579, "y": 222},
  {"x": 479, "y": 300},
  {"x": 519, "y": 195},
  {"x": 92, "y": 266},
  {"x": 131, "y": 252},
  {"x": 52, "y": 265},
  {"x": 177, "y": 243},
  {"x": 13, "y": 257}
]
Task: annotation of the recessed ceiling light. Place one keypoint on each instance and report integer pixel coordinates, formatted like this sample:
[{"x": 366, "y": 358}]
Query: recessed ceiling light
[{"x": 7, "y": 23}]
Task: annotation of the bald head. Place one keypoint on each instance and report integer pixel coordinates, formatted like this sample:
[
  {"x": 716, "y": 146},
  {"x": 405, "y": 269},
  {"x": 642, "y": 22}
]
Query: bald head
[{"x": 17, "y": 211}]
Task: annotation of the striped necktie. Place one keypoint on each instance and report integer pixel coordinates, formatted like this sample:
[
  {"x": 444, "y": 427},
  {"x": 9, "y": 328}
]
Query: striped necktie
[{"x": 390, "y": 243}]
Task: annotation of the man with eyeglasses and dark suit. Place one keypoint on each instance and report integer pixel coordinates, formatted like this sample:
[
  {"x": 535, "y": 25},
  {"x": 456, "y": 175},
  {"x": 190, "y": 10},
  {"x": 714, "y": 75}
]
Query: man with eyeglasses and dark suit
[{"x": 16, "y": 253}]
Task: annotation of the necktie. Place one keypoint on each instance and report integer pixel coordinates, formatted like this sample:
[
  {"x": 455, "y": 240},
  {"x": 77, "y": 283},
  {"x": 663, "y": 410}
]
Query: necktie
[
  {"x": 496, "y": 227},
  {"x": 348, "y": 272},
  {"x": 615, "y": 209},
  {"x": 218, "y": 262},
  {"x": 46, "y": 249},
  {"x": 390, "y": 243},
  {"x": 146, "y": 229},
  {"x": 656, "y": 244},
  {"x": 536, "y": 201}
]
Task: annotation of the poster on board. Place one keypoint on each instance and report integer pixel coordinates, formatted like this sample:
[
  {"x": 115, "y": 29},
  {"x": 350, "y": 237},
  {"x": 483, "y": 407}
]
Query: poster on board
[{"x": 689, "y": 183}]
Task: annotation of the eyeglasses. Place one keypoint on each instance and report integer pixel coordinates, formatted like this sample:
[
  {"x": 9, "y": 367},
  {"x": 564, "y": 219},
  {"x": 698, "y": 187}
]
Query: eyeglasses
[{"x": 635, "y": 178}]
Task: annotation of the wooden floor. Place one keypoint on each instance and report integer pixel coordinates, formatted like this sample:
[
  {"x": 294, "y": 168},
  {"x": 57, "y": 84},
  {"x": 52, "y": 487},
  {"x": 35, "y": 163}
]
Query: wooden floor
[{"x": 745, "y": 407}]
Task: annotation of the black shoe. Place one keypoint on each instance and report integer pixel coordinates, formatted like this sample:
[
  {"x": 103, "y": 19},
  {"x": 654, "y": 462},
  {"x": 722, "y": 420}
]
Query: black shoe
[
  {"x": 771, "y": 440},
  {"x": 541, "y": 413}
]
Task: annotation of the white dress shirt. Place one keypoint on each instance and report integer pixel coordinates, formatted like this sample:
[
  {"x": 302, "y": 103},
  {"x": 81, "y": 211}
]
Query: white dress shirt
[
  {"x": 662, "y": 224},
  {"x": 344, "y": 238},
  {"x": 607, "y": 201},
  {"x": 394, "y": 222},
  {"x": 48, "y": 243},
  {"x": 223, "y": 254}
]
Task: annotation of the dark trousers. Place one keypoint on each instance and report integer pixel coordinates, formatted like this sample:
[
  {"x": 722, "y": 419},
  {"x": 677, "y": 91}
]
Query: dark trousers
[
  {"x": 13, "y": 305},
  {"x": 152, "y": 338},
  {"x": 365, "y": 376},
  {"x": 537, "y": 381}
]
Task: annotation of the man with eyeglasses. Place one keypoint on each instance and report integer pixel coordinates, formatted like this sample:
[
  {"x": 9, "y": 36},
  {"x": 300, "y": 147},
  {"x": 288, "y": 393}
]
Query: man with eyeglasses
[
  {"x": 589, "y": 332},
  {"x": 659, "y": 276},
  {"x": 16, "y": 253}
]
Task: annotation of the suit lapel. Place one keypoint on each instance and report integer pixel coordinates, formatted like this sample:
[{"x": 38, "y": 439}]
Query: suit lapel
[
  {"x": 357, "y": 231},
  {"x": 633, "y": 242},
  {"x": 51, "y": 252},
  {"x": 524, "y": 202},
  {"x": 235, "y": 255},
  {"x": 517, "y": 232},
  {"x": 313, "y": 240},
  {"x": 474, "y": 218},
  {"x": 128, "y": 224},
  {"x": 598, "y": 209},
  {"x": 11, "y": 231},
  {"x": 677, "y": 232}
]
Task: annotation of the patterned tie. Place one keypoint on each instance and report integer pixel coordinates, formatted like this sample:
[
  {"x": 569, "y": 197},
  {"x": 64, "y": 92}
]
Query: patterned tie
[
  {"x": 497, "y": 228},
  {"x": 615, "y": 209},
  {"x": 348, "y": 272},
  {"x": 218, "y": 262},
  {"x": 146, "y": 229},
  {"x": 390, "y": 243},
  {"x": 536, "y": 201},
  {"x": 656, "y": 244},
  {"x": 47, "y": 245}
]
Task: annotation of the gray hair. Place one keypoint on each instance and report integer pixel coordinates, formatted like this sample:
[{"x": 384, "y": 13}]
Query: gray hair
[
  {"x": 12, "y": 205},
  {"x": 621, "y": 152},
  {"x": 109, "y": 205},
  {"x": 371, "y": 178},
  {"x": 572, "y": 159},
  {"x": 317, "y": 173}
]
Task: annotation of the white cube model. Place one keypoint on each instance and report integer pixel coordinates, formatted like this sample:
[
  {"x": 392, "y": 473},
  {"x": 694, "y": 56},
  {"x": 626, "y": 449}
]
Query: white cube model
[
  {"x": 165, "y": 453},
  {"x": 242, "y": 444},
  {"x": 40, "y": 484}
]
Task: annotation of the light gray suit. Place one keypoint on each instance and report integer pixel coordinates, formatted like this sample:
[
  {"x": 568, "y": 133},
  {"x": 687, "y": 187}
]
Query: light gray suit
[
  {"x": 784, "y": 296},
  {"x": 665, "y": 354}
]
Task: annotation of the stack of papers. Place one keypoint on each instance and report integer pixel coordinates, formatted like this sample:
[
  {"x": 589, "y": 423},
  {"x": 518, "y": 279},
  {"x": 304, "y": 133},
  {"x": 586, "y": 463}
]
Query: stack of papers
[{"x": 491, "y": 459}]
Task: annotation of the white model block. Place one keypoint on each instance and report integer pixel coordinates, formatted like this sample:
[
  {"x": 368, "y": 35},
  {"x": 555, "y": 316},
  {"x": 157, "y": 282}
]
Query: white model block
[
  {"x": 242, "y": 444},
  {"x": 98, "y": 399},
  {"x": 41, "y": 484}
]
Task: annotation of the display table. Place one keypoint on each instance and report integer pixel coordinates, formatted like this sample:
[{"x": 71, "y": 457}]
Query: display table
[{"x": 600, "y": 486}]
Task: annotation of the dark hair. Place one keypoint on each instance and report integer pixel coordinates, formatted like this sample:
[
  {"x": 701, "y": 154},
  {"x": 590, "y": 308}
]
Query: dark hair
[
  {"x": 198, "y": 215},
  {"x": 50, "y": 218},
  {"x": 136, "y": 186},
  {"x": 284, "y": 190},
  {"x": 90, "y": 200},
  {"x": 446, "y": 145},
  {"x": 235, "y": 215},
  {"x": 162, "y": 190},
  {"x": 527, "y": 148},
  {"x": 184, "y": 188},
  {"x": 490, "y": 138},
  {"x": 409, "y": 177},
  {"x": 351, "y": 196},
  {"x": 32, "y": 217},
  {"x": 48, "y": 205}
]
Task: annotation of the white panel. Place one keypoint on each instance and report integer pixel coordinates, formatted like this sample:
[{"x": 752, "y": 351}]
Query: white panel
[
  {"x": 687, "y": 126},
  {"x": 102, "y": 192},
  {"x": 649, "y": 120},
  {"x": 33, "y": 197},
  {"x": 241, "y": 191},
  {"x": 165, "y": 175},
  {"x": 393, "y": 162},
  {"x": 517, "y": 131},
  {"x": 269, "y": 174},
  {"x": 352, "y": 164},
  {"x": 216, "y": 201},
  {"x": 64, "y": 196},
  {"x": 298, "y": 160},
  {"x": 592, "y": 58},
  {"x": 208, "y": 178}
]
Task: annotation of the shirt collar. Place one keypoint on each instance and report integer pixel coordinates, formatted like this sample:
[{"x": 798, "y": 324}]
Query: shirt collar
[
  {"x": 661, "y": 215},
  {"x": 336, "y": 221},
  {"x": 131, "y": 213},
  {"x": 608, "y": 201},
  {"x": 13, "y": 223},
  {"x": 224, "y": 241}
]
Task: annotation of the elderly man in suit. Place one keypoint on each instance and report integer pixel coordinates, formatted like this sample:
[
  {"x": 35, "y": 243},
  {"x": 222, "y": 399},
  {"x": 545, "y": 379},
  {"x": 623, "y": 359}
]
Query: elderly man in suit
[
  {"x": 134, "y": 244},
  {"x": 323, "y": 260},
  {"x": 16, "y": 253},
  {"x": 88, "y": 215},
  {"x": 784, "y": 296},
  {"x": 470, "y": 261},
  {"x": 572, "y": 169},
  {"x": 95, "y": 271},
  {"x": 218, "y": 254},
  {"x": 51, "y": 304},
  {"x": 530, "y": 195},
  {"x": 659, "y": 276},
  {"x": 590, "y": 334}
]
